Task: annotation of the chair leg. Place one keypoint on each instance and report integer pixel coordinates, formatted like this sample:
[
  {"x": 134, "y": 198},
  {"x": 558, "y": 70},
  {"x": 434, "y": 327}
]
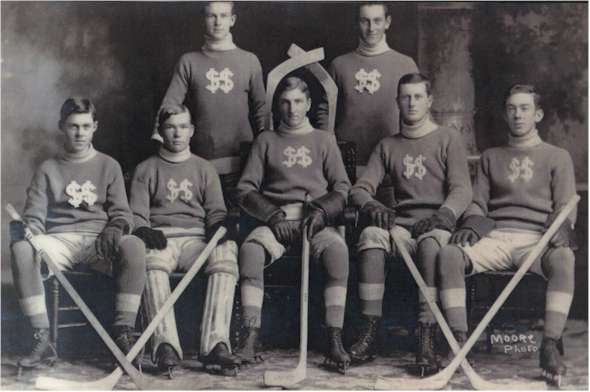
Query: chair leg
[{"x": 55, "y": 312}]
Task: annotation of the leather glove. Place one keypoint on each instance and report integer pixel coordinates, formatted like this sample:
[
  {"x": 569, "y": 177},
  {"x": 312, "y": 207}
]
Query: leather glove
[
  {"x": 316, "y": 222},
  {"x": 153, "y": 239},
  {"x": 565, "y": 235},
  {"x": 376, "y": 214},
  {"x": 472, "y": 230},
  {"x": 443, "y": 219},
  {"x": 107, "y": 242},
  {"x": 17, "y": 230},
  {"x": 285, "y": 231},
  {"x": 230, "y": 234}
]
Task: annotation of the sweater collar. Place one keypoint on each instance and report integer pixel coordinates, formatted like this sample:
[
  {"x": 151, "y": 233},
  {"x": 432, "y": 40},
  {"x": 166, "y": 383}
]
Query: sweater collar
[
  {"x": 223, "y": 45},
  {"x": 174, "y": 157},
  {"x": 366, "y": 50},
  {"x": 79, "y": 156},
  {"x": 531, "y": 139},
  {"x": 303, "y": 129},
  {"x": 416, "y": 131}
]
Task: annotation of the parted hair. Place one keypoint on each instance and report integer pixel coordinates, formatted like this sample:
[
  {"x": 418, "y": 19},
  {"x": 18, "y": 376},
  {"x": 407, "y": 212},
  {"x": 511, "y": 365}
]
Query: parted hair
[
  {"x": 204, "y": 7},
  {"x": 168, "y": 111},
  {"x": 412, "y": 78},
  {"x": 524, "y": 89},
  {"x": 76, "y": 105},
  {"x": 292, "y": 83},
  {"x": 383, "y": 4}
]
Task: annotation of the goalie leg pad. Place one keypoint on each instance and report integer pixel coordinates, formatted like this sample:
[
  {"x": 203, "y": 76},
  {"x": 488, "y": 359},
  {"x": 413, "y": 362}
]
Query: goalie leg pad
[
  {"x": 218, "y": 310},
  {"x": 157, "y": 290},
  {"x": 224, "y": 258}
]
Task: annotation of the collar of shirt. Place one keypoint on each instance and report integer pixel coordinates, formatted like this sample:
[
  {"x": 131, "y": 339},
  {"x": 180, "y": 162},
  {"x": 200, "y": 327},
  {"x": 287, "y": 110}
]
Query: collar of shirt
[
  {"x": 303, "y": 129},
  {"x": 82, "y": 156},
  {"x": 416, "y": 131},
  {"x": 175, "y": 157},
  {"x": 366, "y": 50},
  {"x": 529, "y": 140},
  {"x": 219, "y": 46}
]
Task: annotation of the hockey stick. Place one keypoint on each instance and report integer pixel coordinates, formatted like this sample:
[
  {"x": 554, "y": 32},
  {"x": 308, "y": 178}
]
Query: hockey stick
[
  {"x": 476, "y": 381},
  {"x": 330, "y": 87},
  {"x": 289, "y": 378},
  {"x": 137, "y": 377},
  {"x": 441, "y": 379},
  {"x": 109, "y": 382},
  {"x": 282, "y": 70}
]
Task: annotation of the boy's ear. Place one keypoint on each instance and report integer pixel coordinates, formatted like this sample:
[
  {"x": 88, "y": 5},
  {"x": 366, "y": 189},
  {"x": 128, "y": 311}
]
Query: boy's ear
[{"x": 539, "y": 114}]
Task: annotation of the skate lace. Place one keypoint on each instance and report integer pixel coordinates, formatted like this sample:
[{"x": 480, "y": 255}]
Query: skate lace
[
  {"x": 368, "y": 334},
  {"x": 40, "y": 343}
]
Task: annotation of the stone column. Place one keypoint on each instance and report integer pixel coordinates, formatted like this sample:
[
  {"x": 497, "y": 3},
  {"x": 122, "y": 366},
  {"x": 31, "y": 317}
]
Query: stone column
[{"x": 444, "y": 39}]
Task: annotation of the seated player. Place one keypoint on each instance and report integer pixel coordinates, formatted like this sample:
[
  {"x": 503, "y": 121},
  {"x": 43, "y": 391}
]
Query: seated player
[
  {"x": 178, "y": 205},
  {"x": 519, "y": 189},
  {"x": 283, "y": 168},
  {"x": 77, "y": 208},
  {"x": 427, "y": 165}
]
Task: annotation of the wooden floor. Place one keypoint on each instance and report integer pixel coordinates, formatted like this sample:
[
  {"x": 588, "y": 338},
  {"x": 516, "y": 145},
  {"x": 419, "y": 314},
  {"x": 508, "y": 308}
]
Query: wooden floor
[{"x": 498, "y": 366}]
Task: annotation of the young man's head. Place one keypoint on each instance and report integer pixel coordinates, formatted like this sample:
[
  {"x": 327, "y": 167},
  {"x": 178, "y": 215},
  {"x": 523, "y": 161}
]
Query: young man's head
[
  {"x": 175, "y": 127},
  {"x": 373, "y": 20},
  {"x": 294, "y": 101},
  {"x": 414, "y": 98},
  {"x": 219, "y": 19},
  {"x": 522, "y": 109},
  {"x": 78, "y": 123}
]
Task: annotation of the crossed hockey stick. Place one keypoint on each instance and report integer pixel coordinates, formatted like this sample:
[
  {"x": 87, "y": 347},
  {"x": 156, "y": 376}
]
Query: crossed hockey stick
[
  {"x": 441, "y": 379},
  {"x": 288, "y": 378},
  {"x": 142, "y": 381}
]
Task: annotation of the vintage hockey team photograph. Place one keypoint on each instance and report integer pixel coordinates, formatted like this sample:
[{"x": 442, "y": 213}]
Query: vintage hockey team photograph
[{"x": 312, "y": 195}]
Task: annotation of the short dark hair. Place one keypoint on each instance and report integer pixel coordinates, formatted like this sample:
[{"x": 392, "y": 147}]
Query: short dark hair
[
  {"x": 524, "y": 89},
  {"x": 76, "y": 105},
  {"x": 168, "y": 111},
  {"x": 412, "y": 78},
  {"x": 204, "y": 6},
  {"x": 383, "y": 4},
  {"x": 292, "y": 83}
]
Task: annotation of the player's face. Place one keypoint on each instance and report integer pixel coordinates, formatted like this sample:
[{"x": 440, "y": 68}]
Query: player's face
[
  {"x": 373, "y": 23},
  {"x": 294, "y": 105},
  {"x": 219, "y": 19},
  {"x": 78, "y": 129},
  {"x": 414, "y": 102},
  {"x": 521, "y": 114},
  {"x": 177, "y": 131}
]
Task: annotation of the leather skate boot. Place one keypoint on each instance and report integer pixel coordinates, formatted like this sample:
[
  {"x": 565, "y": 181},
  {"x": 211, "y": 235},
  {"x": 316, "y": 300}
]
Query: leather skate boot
[
  {"x": 364, "y": 349},
  {"x": 337, "y": 357},
  {"x": 222, "y": 358},
  {"x": 554, "y": 369},
  {"x": 124, "y": 337},
  {"x": 43, "y": 351},
  {"x": 250, "y": 344},
  {"x": 167, "y": 359},
  {"x": 426, "y": 361}
]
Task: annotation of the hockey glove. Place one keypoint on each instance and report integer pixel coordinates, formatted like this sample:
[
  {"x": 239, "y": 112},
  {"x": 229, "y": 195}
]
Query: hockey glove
[
  {"x": 324, "y": 211},
  {"x": 230, "y": 234},
  {"x": 374, "y": 213},
  {"x": 17, "y": 230},
  {"x": 153, "y": 239},
  {"x": 286, "y": 232},
  {"x": 107, "y": 243},
  {"x": 472, "y": 230},
  {"x": 565, "y": 236},
  {"x": 258, "y": 206},
  {"x": 443, "y": 219},
  {"x": 316, "y": 221}
]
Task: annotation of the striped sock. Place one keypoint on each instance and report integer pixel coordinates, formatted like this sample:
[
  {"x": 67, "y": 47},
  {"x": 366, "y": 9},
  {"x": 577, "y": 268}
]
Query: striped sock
[
  {"x": 453, "y": 303},
  {"x": 35, "y": 309}
]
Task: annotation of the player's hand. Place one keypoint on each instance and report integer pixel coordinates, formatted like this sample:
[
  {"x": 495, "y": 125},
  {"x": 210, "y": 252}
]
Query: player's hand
[
  {"x": 107, "y": 243},
  {"x": 153, "y": 239},
  {"x": 282, "y": 229},
  {"x": 231, "y": 233},
  {"x": 565, "y": 235},
  {"x": 376, "y": 214},
  {"x": 316, "y": 222},
  {"x": 464, "y": 237},
  {"x": 17, "y": 230}
]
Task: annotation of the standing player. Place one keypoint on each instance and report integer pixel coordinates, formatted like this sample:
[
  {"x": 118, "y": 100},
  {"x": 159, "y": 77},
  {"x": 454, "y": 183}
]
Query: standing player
[
  {"x": 77, "y": 208},
  {"x": 178, "y": 205},
  {"x": 283, "y": 168},
  {"x": 223, "y": 88},
  {"x": 427, "y": 165},
  {"x": 367, "y": 80},
  {"x": 519, "y": 190}
]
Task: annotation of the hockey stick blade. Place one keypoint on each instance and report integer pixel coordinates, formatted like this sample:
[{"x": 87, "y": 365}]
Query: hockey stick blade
[
  {"x": 476, "y": 381},
  {"x": 109, "y": 382},
  {"x": 289, "y": 378},
  {"x": 442, "y": 378}
]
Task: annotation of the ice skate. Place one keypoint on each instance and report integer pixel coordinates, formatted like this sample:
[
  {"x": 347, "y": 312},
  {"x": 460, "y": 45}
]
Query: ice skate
[
  {"x": 554, "y": 369},
  {"x": 337, "y": 358},
  {"x": 364, "y": 349},
  {"x": 221, "y": 360},
  {"x": 124, "y": 337},
  {"x": 167, "y": 360},
  {"x": 426, "y": 360},
  {"x": 248, "y": 350},
  {"x": 42, "y": 354}
]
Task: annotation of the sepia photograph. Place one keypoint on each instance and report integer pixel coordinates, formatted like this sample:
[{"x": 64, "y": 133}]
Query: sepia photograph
[{"x": 320, "y": 195}]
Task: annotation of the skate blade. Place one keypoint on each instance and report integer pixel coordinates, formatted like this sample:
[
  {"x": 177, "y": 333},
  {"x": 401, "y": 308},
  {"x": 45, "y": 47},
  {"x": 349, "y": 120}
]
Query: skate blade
[
  {"x": 421, "y": 371},
  {"x": 557, "y": 380},
  {"x": 231, "y": 371},
  {"x": 341, "y": 368}
]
